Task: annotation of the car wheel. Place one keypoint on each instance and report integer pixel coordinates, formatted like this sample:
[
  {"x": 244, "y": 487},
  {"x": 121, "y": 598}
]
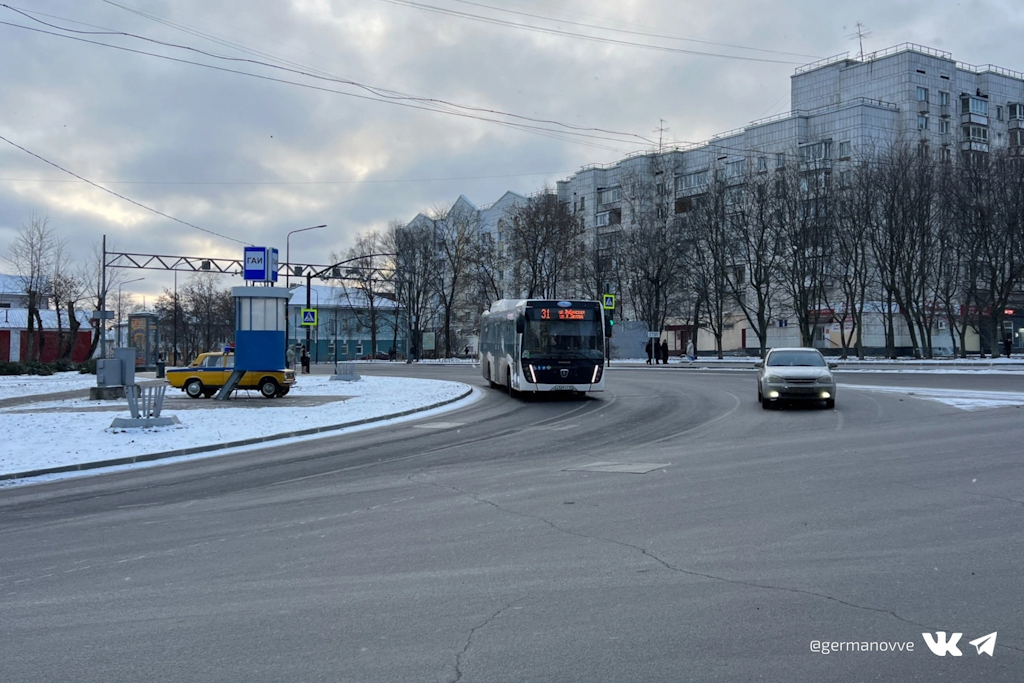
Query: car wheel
[
  {"x": 269, "y": 387},
  {"x": 194, "y": 388},
  {"x": 283, "y": 392},
  {"x": 830, "y": 403}
]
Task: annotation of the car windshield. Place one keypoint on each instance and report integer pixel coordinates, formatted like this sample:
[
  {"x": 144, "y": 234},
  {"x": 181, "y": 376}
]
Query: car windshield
[{"x": 811, "y": 359}]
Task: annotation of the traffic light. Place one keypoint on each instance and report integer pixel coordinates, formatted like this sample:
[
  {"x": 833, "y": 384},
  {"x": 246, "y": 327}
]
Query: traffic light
[{"x": 609, "y": 324}]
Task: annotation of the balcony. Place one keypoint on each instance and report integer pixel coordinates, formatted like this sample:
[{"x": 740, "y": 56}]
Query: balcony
[
  {"x": 944, "y": 111},
  {"x": 1015, "y": 124},
  {"x": 976, "y": 119},
  {"x": 974, "y": 146}
]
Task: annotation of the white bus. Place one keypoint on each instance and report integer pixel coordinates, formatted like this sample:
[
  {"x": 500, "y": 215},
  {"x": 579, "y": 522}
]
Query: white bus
[{"x": 533, "y": 345}]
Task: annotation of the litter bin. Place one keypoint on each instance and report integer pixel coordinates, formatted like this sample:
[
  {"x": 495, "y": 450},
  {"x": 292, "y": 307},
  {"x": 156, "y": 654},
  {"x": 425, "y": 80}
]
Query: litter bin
[{"x": 160, "y": 365}]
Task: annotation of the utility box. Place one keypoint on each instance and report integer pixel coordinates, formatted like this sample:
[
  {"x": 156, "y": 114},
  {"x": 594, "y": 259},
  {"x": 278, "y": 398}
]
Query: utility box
[
  {"x": 114, "y": 374},
  {"x": 108, "y": 373}
]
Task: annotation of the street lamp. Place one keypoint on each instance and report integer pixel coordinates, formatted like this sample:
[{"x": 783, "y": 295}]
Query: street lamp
[
  {"x": 288, "y": 251},
  {"x": 119, "y": 305},
  {"x": 288, "y": 277}
]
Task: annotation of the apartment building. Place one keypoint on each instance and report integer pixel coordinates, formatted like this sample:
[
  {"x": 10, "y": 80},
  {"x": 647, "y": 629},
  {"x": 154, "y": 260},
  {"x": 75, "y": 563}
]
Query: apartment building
[{"x": 842, "y": 108}]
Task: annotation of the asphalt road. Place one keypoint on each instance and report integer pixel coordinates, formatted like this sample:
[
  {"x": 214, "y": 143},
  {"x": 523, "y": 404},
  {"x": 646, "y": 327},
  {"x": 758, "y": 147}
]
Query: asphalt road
[{"x": 465, "y": 547}]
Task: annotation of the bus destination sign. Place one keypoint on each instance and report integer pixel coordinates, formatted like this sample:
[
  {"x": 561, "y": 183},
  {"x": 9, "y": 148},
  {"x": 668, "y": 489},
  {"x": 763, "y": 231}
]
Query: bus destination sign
[{"x": 561, "y": 313}]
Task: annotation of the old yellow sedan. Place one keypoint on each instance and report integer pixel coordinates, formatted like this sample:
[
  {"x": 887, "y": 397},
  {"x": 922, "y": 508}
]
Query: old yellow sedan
[{"x": 210, "y": 371}]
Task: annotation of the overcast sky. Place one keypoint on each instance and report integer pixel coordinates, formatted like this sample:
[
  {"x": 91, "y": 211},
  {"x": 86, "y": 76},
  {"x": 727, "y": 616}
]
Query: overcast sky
[{"x": 251, "y": 158}]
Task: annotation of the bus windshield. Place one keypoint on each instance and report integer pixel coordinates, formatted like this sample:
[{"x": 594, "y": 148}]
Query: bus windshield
[{"x": 563, "y": 339}]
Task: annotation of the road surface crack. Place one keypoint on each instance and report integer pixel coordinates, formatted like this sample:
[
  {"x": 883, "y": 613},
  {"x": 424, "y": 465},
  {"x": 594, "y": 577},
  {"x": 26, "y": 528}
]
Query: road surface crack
[
  {"x": 712, "y": 577},
  {"x": 469, "y": 639}
]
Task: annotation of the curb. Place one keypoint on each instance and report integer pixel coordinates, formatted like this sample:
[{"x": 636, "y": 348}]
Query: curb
[{"x": 149, "y": 457}]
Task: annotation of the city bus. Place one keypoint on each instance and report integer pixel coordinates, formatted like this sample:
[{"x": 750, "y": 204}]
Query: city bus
[{"x": 534, "y": 345}]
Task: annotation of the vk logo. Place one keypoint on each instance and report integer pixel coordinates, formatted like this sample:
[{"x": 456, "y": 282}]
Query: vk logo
[{"x": 940, "y": 646}]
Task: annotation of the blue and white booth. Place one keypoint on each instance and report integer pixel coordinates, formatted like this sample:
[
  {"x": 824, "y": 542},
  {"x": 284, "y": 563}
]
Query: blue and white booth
[{"x": 261, "y": 319}]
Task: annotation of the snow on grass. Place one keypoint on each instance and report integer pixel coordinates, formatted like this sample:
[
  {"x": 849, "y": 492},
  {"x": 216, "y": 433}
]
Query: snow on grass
[
  {"x": 14, "y": 386},
  {"x": 59, "y": 433}
]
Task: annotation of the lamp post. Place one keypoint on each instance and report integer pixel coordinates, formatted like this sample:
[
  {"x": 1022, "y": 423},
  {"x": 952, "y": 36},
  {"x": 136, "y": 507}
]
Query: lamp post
[
  {"x": 119, "y": 306},
  {"x": 288, "y": 276}
]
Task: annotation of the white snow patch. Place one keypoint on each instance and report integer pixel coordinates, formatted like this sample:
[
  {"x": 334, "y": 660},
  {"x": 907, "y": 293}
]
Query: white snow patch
[
  {"x": 71, "y": 434},
  {"x": 958, "y": 398}
]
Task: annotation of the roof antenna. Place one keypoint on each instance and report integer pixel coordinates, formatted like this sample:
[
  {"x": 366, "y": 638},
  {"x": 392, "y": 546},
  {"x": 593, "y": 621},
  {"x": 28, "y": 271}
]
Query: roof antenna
[{"x": 860, "y": 35}]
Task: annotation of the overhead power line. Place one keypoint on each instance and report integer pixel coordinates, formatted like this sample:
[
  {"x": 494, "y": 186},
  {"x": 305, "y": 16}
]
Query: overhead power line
[
  {"x": 121, "y": 196},
  {"x": 580, "y": 36},
  {"x": 613, "y": 29},
  {"x": 547, "y": 127}
]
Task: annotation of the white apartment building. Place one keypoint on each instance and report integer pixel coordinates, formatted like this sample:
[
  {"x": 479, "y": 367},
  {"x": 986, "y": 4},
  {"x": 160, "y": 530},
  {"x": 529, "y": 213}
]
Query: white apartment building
[{"x": 842, "y": 108}]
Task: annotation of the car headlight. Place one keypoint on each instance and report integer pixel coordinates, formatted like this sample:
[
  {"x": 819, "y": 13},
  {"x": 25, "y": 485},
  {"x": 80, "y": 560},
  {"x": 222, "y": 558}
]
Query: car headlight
[
  {"x": 773, "y": 379},
  {"x": 826, "y": 379}
]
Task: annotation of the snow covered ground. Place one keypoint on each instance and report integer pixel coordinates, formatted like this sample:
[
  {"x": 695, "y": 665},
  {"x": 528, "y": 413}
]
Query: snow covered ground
[
  {"x": 958, "y": 398},
  {"x": 13, "y": 386},
  {"x": 37, "y": 436}
]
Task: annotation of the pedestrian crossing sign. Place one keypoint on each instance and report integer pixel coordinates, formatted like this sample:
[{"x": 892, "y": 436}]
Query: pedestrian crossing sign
[
  {"x": 608, "y": 301},
  {"x": 309, "y": 316}
]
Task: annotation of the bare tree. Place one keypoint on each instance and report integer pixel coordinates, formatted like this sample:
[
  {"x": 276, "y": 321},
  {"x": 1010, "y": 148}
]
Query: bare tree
[
  {"x": 416, "y": 274},
  {"x": 32, "y": 255},
  {"x": 652, "y": 239},
  {"x": 756, "y": 252},
  {"x": 545, "y": 244},
  {"x": 368, "y": 268},
  {"x": 455, "y": 234},
  {"x": 68, "y": 290},
  {"x": 708, "y": 255}
]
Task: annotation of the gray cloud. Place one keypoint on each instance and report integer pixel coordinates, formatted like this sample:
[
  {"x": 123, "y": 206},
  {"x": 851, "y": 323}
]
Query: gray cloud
[{"x": 260, "y": 158}]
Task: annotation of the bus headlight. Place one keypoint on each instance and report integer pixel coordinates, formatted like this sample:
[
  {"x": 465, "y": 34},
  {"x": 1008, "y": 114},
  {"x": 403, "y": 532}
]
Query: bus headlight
[
  {"x": 533, "y": 375},
  {"x": 598, "y": 371}
]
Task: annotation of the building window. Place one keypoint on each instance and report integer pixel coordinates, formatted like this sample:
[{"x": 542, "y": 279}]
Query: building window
[
  {"x": 602, "y": 219},
  {"x": 945, "y": 154},
  {"x": 691, "y": 181},
  {"x": 684, "y": 205},
  {"x": 780, "y": 159},
  {"x": 973, "y": 105},
  {"x": 944, "y": 98},
  {"x": 816, "y": 152},
  {"x": 583, "y": 203},
  {"x": 976, "y": 133},
  {"x": 844, "y": 149},
  {"x": 943, "y": 126},
  {"x": 845, "y": 178},
  {"x": 922, "y": 122},
  {"x": 1015, "y": 111},
  {"x": 1017, "y": 138},
  {"x": 610, "y": 195},
  {"x": 922, "y": 94},
  {"x": 999, "y": 113},
  {"x": 735, "y": 169},
  {"x": 762, "y": 164}
]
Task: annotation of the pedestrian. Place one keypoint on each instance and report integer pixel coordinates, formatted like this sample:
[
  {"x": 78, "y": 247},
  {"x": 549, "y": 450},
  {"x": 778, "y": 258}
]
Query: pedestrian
[
  {"x": 664, "y": 351},
  {"x": 649, "y": 351},
  {"x": 305, "y": 361},
  {"x": 1007, "y": 346},
  {"x": 466, "y": 353},
  {"x": 691, "y": 352}
]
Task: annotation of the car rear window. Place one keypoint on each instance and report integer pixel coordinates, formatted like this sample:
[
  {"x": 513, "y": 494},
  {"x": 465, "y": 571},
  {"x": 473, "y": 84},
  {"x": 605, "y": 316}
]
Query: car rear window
[{"x": 796, "y": 359}]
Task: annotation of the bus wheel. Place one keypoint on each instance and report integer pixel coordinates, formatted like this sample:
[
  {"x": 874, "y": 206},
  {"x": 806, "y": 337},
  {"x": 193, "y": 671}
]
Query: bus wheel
[{"x": 508, "y": 382}]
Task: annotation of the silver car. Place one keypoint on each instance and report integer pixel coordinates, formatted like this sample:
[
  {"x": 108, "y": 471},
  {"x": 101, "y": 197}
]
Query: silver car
[{"x": 795, "y": 374}]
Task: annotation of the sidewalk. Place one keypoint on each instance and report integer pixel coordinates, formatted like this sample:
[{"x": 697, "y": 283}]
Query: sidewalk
[{"x": 65, "y": 432}]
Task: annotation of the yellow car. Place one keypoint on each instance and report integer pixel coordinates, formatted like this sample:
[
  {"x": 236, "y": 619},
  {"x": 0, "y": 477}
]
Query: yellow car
[{"x": 210, "y": 371}]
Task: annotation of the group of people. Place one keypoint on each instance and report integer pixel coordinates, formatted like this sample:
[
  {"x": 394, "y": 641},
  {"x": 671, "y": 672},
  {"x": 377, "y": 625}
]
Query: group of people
[{"x": 657, "y": 352}]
